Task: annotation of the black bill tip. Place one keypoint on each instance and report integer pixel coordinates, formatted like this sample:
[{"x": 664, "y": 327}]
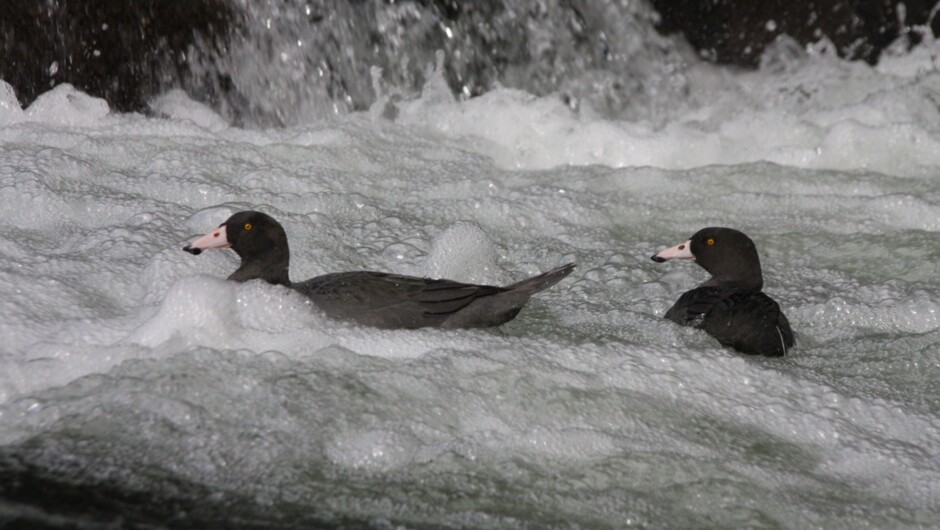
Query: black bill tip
[
  {"x": 658, "y": 259},
  {"x": 192, "y": 250}
]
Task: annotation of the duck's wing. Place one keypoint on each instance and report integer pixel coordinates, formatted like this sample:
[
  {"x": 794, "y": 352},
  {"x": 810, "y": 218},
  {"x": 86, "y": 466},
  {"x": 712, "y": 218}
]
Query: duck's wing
[
  {"x": 748, "y": 321},
  {"x": 389, "y": 300},
  {"x": 393, "y": 301}
]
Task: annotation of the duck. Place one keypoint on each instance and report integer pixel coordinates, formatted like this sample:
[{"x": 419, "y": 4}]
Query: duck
[
  {"x": 730, "y": 306},
  {"x": 375, "y": 299}
]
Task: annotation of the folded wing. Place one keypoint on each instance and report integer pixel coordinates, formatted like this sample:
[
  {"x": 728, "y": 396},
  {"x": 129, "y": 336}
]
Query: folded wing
[{"x": 393, "y": 301}]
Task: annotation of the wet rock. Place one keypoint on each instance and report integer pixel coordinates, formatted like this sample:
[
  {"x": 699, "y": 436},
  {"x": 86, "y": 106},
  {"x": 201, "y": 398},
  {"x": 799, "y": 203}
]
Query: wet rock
[
  {"x": 121, "y": 51},
  {"x": 738, "y": 31}
]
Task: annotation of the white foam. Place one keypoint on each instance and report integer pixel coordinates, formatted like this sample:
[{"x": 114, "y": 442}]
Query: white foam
[
  {"x": 816, "y": 113},
  {"x": 64, "y": 105},
  {"x": 377, "y": 450},
  {"x": 464, "y": 252},
  {"x": 196, "y": 310},
  {"x": 176, "y": 104},
  {"x": 10, "y": 110}
]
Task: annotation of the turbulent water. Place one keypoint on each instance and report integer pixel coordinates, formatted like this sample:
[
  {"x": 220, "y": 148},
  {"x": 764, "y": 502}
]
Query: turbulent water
[
  {"x": 137, "y": 387},
  {"x": 293, "y": 62}
]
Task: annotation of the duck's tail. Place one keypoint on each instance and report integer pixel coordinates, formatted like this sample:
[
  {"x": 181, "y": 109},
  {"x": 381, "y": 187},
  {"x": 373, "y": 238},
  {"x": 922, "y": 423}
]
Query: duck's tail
[
  {"x": 542, "y": 281},
  {"x": 503, "y": 305}
]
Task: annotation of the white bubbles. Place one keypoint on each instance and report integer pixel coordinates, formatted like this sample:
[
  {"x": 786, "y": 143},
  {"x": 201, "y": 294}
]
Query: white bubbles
[
  {"x": 464, "y": 252},
  {"x": 374, "y": 450},
  {"x": 208, "y": 218},
  {"x": 812, "y": 112},
  {"x": 177, "y": 105},
  {"x": 197, "y": 310},
  {"x": 64, "y": 105},
  {"x": 10, "y": 110}
]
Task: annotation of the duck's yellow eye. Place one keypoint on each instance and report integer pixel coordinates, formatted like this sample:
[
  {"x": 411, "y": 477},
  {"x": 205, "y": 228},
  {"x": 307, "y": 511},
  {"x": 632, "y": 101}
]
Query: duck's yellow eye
[
  {"x": 710, "y": 241},
  {"x": 248, "y": 227}
]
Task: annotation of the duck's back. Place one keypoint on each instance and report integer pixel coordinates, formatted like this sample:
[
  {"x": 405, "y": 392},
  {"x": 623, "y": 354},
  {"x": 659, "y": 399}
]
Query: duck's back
[
  {"x": 748, "y": 321},
  {"x": 388, "y": 300},
  {"x": 392, "y": 301}
]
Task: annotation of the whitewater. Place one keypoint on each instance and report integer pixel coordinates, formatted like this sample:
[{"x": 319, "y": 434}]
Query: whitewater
[{"x": 138, "y": 387}]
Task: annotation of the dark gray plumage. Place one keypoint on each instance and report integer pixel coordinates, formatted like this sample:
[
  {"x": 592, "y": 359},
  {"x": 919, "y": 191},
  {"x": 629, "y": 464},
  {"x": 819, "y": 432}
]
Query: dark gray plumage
[
  {"x": 375, "y": 299},
  {"x": 730, "y": 305}
]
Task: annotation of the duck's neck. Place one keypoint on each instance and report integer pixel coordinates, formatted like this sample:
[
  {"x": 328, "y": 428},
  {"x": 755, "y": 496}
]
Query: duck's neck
[
  {"x": 739, "y": 269},
  {"x": 752, "y": 283},
  {"x": 272, "y": 271}
]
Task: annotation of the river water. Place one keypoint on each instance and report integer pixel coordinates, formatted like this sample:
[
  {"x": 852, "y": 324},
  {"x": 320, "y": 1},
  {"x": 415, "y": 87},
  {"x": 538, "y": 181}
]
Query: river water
[{"x": 137, "y": 387}]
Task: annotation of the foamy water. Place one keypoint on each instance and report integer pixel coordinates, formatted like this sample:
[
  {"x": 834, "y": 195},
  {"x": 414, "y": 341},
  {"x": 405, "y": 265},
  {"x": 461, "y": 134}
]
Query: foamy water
[{"x": 131, "y": 367}]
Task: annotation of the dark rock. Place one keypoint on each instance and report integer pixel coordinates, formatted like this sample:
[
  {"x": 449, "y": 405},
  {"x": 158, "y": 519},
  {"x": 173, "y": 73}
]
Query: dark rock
[
  {"x": 738, "y": 31},
  {"x": 119, "y": 50}
]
